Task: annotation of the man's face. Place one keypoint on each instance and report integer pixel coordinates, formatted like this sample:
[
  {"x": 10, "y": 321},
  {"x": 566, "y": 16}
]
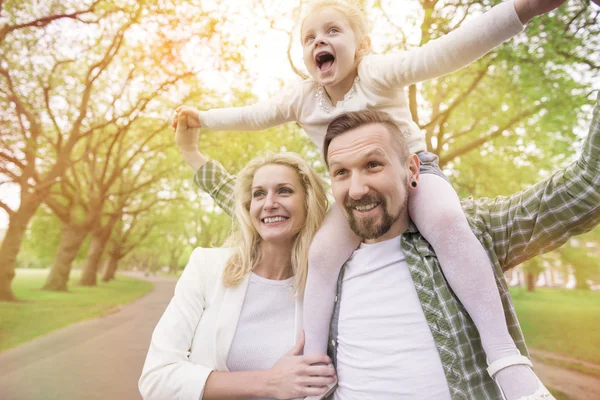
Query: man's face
[{"x": 370, "y": 182}]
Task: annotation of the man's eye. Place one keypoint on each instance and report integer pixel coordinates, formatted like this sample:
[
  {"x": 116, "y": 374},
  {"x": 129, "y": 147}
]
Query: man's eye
[
  {"x": 374, "y": 164},
  {"x": 339, "y": 172}
]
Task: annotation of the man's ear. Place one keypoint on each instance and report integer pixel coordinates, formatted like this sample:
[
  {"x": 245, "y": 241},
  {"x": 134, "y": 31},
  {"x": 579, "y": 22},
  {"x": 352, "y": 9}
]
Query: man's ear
[{"x": 413, "y": 165}]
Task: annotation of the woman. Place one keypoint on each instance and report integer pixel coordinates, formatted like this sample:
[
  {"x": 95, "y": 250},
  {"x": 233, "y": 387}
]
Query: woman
[{"x": 236, "y": 313}]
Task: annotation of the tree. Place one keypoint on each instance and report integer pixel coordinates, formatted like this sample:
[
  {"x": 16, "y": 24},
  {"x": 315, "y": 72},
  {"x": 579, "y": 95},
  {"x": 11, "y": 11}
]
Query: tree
[
  {"x": 128, "y": 234},
  {"x": 71, "y": 93}
]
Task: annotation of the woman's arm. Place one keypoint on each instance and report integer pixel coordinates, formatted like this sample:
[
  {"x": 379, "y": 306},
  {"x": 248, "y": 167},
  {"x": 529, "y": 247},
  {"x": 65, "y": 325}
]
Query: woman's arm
[
  {"x": 168, "y": 372},
  {"x": 293, "y": 376}
]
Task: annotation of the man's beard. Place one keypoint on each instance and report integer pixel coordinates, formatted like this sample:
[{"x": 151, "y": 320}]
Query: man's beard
[{"x": 366, "y": 228}]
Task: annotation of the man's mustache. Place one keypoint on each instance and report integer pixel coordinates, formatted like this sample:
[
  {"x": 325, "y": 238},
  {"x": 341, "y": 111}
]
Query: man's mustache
[{"x": 363, "y": 201}]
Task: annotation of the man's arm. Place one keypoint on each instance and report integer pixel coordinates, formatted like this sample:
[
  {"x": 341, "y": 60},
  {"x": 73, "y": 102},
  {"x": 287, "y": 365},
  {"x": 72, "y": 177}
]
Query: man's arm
[
  {"x": 546, "y": 215},
  {"x": 214, "y": 179},
  {"x": 210, "y": 175}
]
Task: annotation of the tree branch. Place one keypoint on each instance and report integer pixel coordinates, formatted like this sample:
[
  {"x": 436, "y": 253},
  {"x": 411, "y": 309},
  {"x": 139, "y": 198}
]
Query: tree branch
[
  {"x": 6, "y": 208},
  {"x": 490, "y": 136},
  {"x": 460, "y": 98},
  {"x": 45, "y": 21}
]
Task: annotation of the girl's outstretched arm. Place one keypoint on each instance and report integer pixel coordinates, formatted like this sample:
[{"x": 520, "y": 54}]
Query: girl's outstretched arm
[
  {"x": 281, "y": 108},
  {"x": 459, "y": 48}
]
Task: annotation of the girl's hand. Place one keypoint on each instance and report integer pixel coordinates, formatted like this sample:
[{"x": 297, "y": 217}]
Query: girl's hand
[
  {"x": 528, "y": 9},
  {"x": 186, "y": 138},
  {"x": 193, "y": 121},
  {"x": 295, "y": 375}
]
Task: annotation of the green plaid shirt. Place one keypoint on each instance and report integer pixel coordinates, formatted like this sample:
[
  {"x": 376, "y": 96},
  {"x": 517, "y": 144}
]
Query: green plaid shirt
[{"x": 512, "y": 229}]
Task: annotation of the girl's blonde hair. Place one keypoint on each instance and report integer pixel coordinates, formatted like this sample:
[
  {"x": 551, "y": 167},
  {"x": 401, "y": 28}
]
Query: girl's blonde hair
[
  {"x": 245, "y": 239},
  {"x": 354, "y": 13}
]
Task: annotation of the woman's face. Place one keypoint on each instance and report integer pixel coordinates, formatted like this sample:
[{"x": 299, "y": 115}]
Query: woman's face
[{"x": 277, "y": 208}]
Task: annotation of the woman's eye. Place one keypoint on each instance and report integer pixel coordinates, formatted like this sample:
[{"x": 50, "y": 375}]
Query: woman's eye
[
  {"x": 258, "y": 193},
  {"x": 285, "y": 190},
  {"x": 308, "y": 39},
  {"x": 333, "y": 30}
]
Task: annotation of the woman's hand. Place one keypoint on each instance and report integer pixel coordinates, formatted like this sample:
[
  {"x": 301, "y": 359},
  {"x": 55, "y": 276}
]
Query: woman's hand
[
  {"x": 295, "y": 375},
  {"x": 193, "y": 120}
]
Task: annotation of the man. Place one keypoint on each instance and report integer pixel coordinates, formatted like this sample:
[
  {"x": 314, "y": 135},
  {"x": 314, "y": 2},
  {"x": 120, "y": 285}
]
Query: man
[
  {"x": 433, "y": 350},
  {"x": 397, "y": 330}
]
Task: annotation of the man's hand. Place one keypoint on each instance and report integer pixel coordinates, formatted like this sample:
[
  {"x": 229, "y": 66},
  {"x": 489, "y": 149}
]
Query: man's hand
[
  {"x": 186, "y": 140},
  {"x": 528, "y": 9},
  {"x": 193, "y": 121}
]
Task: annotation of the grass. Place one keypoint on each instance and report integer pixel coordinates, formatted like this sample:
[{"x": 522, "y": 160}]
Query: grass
[
  {"x": 559, "y": 395},
  {"x": 41, "y": 312},
  {"x": 561, "y": 321}
]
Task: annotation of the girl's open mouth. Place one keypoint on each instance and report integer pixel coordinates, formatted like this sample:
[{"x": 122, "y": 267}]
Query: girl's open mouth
[{"x": 324, "y": 61}]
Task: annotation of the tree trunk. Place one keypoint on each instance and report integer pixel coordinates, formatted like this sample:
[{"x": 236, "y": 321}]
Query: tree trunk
[
  {"x": 11, "y": 245},
  {"x": 111, "y": 268},
  {"x": 92, "y": 262},
  {"x": 582, "y": 274},
  {"x": 531, "y": 278},
  {"x": 71, "y": 240}
]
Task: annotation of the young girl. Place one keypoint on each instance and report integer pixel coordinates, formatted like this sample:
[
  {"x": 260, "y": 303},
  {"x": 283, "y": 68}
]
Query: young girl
[{"x": 346, "y": 78}]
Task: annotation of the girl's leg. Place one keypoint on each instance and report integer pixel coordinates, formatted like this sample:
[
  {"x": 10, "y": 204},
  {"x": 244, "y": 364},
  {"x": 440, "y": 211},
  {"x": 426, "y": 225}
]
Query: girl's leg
[
  {"x": 435, "y": 208},
  {"x": 331, "y": 247}
]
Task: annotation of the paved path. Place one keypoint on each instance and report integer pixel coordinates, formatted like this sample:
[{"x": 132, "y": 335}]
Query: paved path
[
  {"x": 96, "y": 359},
  {"x": 576, "y": 385},
  {"x": 102, "y": 358}
]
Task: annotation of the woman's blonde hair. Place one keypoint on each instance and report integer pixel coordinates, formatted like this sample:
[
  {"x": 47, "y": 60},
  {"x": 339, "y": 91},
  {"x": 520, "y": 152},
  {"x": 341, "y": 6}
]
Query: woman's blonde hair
[
  {"x": 354, "y": 13},
  {"x": 245, "y": 239}
]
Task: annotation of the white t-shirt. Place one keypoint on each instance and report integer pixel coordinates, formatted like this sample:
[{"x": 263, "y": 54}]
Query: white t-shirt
[
  {"x": 385, "y": 349},
  {"x": 380, "y": 84},
  {"x": 265, "y": 329}
]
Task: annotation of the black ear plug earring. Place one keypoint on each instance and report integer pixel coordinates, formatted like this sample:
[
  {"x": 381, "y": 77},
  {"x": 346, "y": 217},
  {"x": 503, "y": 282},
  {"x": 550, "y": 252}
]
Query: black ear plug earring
[{"x": 413, "y": 184}]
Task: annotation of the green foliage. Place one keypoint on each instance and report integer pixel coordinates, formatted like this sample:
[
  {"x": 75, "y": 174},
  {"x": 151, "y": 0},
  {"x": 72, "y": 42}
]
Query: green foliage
[
  {"x": 498, "y": 125},
  {"x": 585, "y": 264}
]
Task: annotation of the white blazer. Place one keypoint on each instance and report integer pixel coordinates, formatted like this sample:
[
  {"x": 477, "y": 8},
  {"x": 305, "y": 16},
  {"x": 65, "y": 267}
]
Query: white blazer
[{"x": 194, "y": 335}]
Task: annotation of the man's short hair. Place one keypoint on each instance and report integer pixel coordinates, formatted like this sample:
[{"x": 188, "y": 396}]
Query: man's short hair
[{"x": 352, "y": 120}]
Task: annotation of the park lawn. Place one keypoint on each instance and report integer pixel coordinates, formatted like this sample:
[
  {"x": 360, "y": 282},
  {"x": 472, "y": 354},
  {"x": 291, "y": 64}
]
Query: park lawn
[
  {"x": 562, "y": 321},
  {"x": 41, "y": 312}
]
